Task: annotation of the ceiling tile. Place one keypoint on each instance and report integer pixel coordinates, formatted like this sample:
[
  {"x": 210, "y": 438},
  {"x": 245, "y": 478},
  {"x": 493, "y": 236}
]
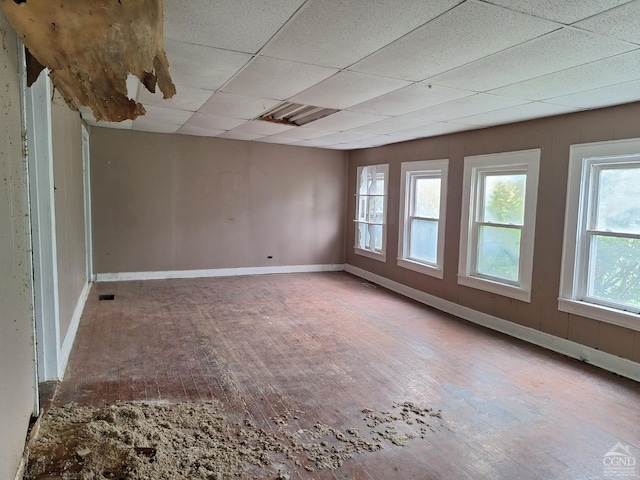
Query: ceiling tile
[
  {"x": 342, "y": 137},
  {"x": 621, "y": 22},
  {"x": 277, "y": 139},
  {"x": 315, "y": 146},
  {"x": 602, "y": 97},
  {"x": 390, "y": 139},
  {"x": 315, "y": 142},
  {"x": 240, "y": 135},
  {"x": 242, "y": 25},
  {"x": 398, "y": 138},
  {"x": 346, "y": 89},
  {"x": 389, "y": 125},
  {"x": 408, "y": 99},
  {"x": 553, "y": 52},
  {"x": 242, "y": 106},
  {"x": 216, "y": 122},
  {"x": 430, "y": 131},
  {"x": 262, "y": 127},
  {"x": 278, "y": 79},
  {"x": 514, "y": 114},
  {"x": 304, "y": 133},
  {"x": 563, "y": 11},
  {"x": 87, "y": 115},
  {"x": 124, "y": 125},
  {"x": 463, "y": 107},
  {"x": 325, "y": 33},
  {"x": 166, "y": 115},
  {"x": 371, "y": 142},
  {"x": 339, "y": 146},
  {"x": 199, "y": 131},
  {"x": 186, "y": 98},
  {"x": 144, "y": 125},
  {"x": 200, "y": 66},
  {"x": 223, "y": 60},
  {"x": 345, "y": 120},
  {"x": 468, "y": 32},
  {"x": 609, "y": 71}
]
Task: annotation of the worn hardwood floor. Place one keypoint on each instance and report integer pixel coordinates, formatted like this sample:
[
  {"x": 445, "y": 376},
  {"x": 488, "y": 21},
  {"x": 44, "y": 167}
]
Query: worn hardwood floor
[{"x": 330, "y": 345}]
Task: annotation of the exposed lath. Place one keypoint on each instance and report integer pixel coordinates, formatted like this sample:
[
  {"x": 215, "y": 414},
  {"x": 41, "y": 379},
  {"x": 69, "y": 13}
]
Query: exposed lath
[
  {"x": 91, "y": 46},
  {"x": 295, "y": 114}
]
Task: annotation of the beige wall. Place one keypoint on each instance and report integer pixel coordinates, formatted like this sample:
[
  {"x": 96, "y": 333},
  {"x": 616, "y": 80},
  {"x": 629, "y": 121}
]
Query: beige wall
[
  {"x": 17, "y": 365},
  {"x": 177, "y": 202},
  {"x": 69, "y": 208},
  {"x": 553, "y": 136}
]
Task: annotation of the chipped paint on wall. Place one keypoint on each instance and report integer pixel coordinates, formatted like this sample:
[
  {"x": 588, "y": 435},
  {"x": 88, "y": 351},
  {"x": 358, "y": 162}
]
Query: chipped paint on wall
[{"x": 17, "y": 364}]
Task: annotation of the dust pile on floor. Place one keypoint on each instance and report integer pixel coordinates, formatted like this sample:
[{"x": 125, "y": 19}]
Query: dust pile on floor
[{"x": 200, "y": 441}]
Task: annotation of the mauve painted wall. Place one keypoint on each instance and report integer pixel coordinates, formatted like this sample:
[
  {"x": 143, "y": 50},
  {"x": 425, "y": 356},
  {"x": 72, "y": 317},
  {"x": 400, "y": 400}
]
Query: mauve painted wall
[
  {"x": 177, "y": 202},
  {"x": 66, "y": 129},
  {"x": 554, "y": 136},
  {"x": 17, "y": 364}
]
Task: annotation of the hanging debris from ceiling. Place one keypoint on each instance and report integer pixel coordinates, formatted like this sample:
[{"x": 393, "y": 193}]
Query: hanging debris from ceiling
[{"x": 91, "y": 46}]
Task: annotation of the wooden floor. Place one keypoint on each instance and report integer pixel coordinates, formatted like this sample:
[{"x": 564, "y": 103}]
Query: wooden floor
[{"x": 330, "y": 345}]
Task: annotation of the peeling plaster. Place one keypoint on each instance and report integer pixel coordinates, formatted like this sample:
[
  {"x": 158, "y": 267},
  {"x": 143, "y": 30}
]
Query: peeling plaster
[{"x": 91, "y": 46}]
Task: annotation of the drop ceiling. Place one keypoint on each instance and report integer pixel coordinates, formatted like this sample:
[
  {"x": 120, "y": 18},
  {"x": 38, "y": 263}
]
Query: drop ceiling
[{"x": 395, "y": 70}]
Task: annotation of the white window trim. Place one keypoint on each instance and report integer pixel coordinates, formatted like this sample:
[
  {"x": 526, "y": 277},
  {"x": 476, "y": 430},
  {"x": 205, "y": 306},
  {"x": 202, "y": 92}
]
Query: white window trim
[
  {"x": 528, "y": 160},
  {"x": 408, "y": 170},
  {"x": 380, "y": 256},
  {"x": 581, "y": 157}
]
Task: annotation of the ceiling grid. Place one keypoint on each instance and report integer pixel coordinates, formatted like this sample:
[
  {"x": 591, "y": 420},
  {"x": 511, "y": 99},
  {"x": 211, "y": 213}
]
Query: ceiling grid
[{"x": 394, "y": 70}]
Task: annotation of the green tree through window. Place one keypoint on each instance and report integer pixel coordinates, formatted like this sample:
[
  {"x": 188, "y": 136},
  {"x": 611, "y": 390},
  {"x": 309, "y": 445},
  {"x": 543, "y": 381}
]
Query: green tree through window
[
  {"x": 506, "y": 201},
  {"x": 499, "y": 246},
  {"x": 496, "y": 236},
  {"x": 615, "y": 271}
]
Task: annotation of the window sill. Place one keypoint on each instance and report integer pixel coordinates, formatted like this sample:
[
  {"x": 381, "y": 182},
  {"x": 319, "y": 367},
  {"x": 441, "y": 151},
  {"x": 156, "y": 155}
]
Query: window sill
[
  {"x": 495, "y": 287},
  {"x": 420, "y": 268},
  {"x": 600, "y": 312},
  {"x": 382, "y": 257}
]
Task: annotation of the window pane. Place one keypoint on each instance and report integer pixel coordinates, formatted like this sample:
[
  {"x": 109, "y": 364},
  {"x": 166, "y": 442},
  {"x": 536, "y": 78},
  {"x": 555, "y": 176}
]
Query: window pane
[
  {"x": 503, "y": 200},
  {"x": 619, "y": 200},
  {"x": 427, "y": 197},
  {"x": 362, "y": 209},
  {"x": 614, "y": 270},
  {"x": 371, "y": 181},
  {"x": 375, "y": 237},
  {"x": 369, "y": 237},
  {"x": 364, "y": 181},
  {"x": 499, "y": 252},
  {"x": 362, "y": 234},
  {"x": 376, "y": 209},
  {"x": 423, "y": 244},
  {"x": 377, "y": 184}
]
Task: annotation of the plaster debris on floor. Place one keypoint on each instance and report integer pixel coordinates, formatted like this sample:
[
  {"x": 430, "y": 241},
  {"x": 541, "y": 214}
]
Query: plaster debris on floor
[{"x": 201, "y": 441}]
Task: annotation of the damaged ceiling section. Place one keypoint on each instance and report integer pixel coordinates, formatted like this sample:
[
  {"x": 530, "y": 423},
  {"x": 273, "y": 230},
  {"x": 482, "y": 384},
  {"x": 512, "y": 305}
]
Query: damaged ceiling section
[{"x": 90, "y": 47}]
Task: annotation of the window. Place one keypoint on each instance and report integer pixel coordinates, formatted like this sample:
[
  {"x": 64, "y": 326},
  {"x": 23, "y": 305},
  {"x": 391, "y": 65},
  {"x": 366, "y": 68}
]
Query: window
[
  {"x": 371, "y": 211},
  {"x": 601, "y": 249},
  {"x": 498, "y": 222},
  {"x": 423, "y": 194}
]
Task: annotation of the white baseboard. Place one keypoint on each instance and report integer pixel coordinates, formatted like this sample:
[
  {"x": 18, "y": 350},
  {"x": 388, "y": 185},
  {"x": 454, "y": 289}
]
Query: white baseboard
[
  {"x": 65, "y": 351},
  {"x": 606, "y": 361},
  {"x": 216, "y": 272}
]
